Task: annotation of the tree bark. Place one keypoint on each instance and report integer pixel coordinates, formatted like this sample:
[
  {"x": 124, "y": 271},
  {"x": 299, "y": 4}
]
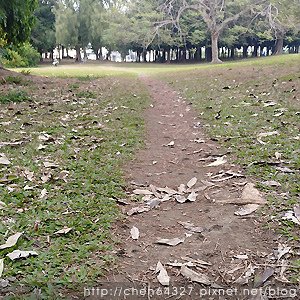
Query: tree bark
[
  {"x": 78, "y": 54},
  {"x": 215, "y": 48},
  {"x": 245, "y": 51},
  {"x": 279, "y": 46}
]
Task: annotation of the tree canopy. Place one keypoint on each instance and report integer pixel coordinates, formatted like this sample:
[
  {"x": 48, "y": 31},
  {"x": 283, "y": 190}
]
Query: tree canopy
[{"x": 16, "y": 20}]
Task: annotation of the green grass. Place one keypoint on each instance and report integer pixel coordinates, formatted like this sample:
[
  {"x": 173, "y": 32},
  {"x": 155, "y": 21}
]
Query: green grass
[
  {"x": 14, "y": 96},
  {"x": 90, "y": 141},
  {"x": 104, "y": 69}
]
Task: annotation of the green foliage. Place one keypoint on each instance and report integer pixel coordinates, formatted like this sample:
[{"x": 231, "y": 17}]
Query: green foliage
[
  {"x": 12, "y": 59},
  {"x": 14, "y": 96},
  {"x": 43, "y": 33},
  {"x": 29, "y": 54},
  {"x": 23, "y": 56},
  {"x": 16, "y": 20}
]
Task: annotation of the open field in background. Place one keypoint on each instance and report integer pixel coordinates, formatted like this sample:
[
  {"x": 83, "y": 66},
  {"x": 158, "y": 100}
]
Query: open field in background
[
  {"x": 71, "y": 138},
  {"x": 102, "y": 69}
]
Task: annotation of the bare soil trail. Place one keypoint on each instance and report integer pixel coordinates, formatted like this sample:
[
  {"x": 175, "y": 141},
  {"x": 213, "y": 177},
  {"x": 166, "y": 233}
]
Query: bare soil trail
[{"x": 224, "y": 237}]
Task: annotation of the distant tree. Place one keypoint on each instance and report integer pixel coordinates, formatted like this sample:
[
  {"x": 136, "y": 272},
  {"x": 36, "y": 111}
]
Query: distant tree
[
  {"x": 43, "y": 33},
  {"x": 78, "y": 23},
  {"x": 283, "y": 16},
  {"x": 217, "y": 14}
]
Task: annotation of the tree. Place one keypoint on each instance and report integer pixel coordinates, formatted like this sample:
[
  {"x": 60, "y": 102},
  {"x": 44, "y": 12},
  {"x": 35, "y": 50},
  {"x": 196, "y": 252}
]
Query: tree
[
  {"x": 43, "y": 33},
  {"x": 78, "y": 23},
  {"x": 217, "y": 14},
  {"x": 283, "y": 16},
  {"x": 16, "y": 20}
]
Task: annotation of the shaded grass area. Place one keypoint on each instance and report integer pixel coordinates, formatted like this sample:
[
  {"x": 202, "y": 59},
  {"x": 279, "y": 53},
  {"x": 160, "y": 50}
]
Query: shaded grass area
[
  {"x": 86, "y": 130},
  {"x": 238, "y": 104},
  {"x": 104, "y": 69}
]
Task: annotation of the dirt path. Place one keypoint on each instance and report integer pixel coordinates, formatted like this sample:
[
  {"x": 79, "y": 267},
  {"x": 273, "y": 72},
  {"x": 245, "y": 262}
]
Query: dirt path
[{"x": 224, "y": 235}]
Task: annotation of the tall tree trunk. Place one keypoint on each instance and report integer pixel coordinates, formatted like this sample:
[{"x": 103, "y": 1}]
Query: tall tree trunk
[
  {"x": 215, "y": 48},
  {"x": 168, "y": 56},
  {"x": 245, "y": 51},
  {"x": 208, "y": 53},
  {"x": 198, "y": 54},
  {"x": 78, "y": 54},
  {"x": 279, "y": 46},
  {"x": 145, "y": 55},
  {"x": 232, "y": 53},
  {"x": 255, "y": 51}
]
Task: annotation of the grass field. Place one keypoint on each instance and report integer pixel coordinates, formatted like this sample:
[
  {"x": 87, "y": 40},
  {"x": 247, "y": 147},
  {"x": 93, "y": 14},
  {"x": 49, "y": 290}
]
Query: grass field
[{"x": 126, "y": 69}]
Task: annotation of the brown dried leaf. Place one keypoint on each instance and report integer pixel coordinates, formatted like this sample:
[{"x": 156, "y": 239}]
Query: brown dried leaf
[
  {"x": 194, "y": 276},
  {"x": 170, "y": 242}
]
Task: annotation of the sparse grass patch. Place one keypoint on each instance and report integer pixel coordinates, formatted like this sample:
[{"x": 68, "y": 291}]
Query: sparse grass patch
[
  {"x": 18, "y": 80},
  {"x": 87, "y": 140},
  {"x": 86, "y": 94},
  {"x": 14, "y": 96}
]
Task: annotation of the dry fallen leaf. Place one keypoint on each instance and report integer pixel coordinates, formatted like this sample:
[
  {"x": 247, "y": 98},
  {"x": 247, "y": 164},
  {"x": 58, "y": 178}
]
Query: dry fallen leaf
[
  {"x": 65, "y": 230},
  {"x": 219, "y": 161},
  {"x": 192, "y": 182},
  {"x": 246, "y": 276},
  {"x": 138, "y": 210},
  {"x": 142, "y": 192},
  {"x": 48, "y": 164},
  {"x": 171, "y": 144},
  {"x": 1, "y": 266},
  {"x": 2, "y": 205},
  {"x": 43, "y": 193},
  {"x": 271, "y": 183},
  {"x": 4, "y": 160},
  {"x": 282, "y": 250},
  {"x": 170, "y": 242},
  {"x": 163, "y": 277},
  {"x": 180, "y": 199},
  {"x": 191, "y": 227},
  {"x": 135, "y": 233},
  {"x": 241, "y": 256},
  {"x": 260, "y": 279},
  {"x": 265, "y": 134},
  {"x": 194, "y": 276},
  {"x": 290, "y": 215},
  {"x": 192, "y": 197},
  {"x": 247, "y": 209},
  {"x": 297, "y": 212},
  {"x": 17, "y": 254},
  {"x": 11, "y": 241},
  {"x": 278, "y": 155}
]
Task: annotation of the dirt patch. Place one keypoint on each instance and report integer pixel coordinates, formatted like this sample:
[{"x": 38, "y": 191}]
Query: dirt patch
[{"x": 225, "y": 235}]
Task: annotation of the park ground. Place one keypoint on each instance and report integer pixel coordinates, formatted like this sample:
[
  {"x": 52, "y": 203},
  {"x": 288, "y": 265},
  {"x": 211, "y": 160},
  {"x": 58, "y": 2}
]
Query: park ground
[{"x": 80, "y": 145}]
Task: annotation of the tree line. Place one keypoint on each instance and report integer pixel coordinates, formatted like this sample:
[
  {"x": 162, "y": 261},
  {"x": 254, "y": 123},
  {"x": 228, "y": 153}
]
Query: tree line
[{"x": 156, "y": 30}]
